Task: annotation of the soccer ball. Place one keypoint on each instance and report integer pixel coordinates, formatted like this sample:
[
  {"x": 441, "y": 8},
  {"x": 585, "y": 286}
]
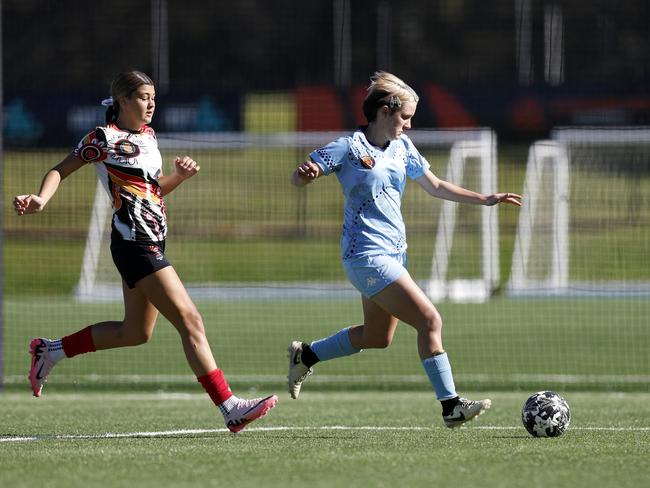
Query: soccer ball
[{"x": 546, "y": 414}]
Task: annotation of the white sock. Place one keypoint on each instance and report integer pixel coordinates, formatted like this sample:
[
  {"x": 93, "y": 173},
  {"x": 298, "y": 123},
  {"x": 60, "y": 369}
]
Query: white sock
[
  {"x": 228, "y": 405},
  {"x": 55, "y": 351}
]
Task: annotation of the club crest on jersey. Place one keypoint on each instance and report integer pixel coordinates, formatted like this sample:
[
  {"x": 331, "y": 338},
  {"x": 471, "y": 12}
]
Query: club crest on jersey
[
  {"x": 126, "y": 149},
  {"x": 367, "y": 162}
]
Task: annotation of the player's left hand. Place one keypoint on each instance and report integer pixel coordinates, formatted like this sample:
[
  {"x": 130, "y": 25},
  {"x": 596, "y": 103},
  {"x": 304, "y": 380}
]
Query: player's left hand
[
  {"x": 186, "y": 167},
  {"x": 511, "y": 198}
]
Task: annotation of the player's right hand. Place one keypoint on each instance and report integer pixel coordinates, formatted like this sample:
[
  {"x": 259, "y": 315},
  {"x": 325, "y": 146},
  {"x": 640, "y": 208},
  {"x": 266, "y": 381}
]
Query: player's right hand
[
  {"x": 308, "y": 170},
  {"x": 28, "y": 204}
]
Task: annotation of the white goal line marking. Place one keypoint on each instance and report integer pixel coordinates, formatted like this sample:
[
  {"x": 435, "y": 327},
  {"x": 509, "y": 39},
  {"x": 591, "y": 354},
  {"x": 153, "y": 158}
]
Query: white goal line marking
[{"x": 181, "y": 432}]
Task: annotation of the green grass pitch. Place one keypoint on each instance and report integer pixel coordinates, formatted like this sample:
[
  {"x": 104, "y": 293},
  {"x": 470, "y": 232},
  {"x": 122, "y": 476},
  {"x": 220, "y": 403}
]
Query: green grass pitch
[
  {"x": 503, "y": 343},
  {"x": 137, "y": 416},
  {"x": 354, "y": 439}
]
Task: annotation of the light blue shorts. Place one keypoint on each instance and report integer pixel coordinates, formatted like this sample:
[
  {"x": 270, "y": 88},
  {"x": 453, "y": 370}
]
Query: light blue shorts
[{"x": 371, "y": 274}]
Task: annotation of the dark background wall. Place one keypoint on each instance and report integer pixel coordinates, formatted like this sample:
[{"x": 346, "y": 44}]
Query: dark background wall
[{"x": 520, "y": 66}]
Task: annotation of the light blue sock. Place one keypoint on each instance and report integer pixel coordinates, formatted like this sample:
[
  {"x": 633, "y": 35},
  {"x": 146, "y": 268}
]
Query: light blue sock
[
  {"x": 439, "y": 372},
  {"x": 334, "y": 346}
]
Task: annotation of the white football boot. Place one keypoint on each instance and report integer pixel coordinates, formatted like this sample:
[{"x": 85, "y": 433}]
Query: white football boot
[
  {"x": 246, "y": 411},
  {"x": 464, "y": 411},
  {"x": 297, "y": 369},
  {"x": 41, "y": 365}
]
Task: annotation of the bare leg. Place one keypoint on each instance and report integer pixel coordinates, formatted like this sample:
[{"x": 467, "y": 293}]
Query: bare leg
[
  {"x": 377, "y": 329},
  {"x": 167, "y": 293},
  {"x": 405, "y": 301},
  {"x": 136, "y": 328}
]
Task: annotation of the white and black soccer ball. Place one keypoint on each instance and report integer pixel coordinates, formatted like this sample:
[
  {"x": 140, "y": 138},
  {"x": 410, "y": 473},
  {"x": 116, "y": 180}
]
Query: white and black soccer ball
[{"x": 546, "y": 414}]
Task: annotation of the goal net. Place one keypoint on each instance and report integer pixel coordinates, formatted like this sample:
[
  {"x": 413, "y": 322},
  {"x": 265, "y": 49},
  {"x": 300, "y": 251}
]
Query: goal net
[
  {"x": 580, "y": 261},
  {"x": 467, "y": 157},
  {"x": 584, "y": 228},
  {"x": 262, "y": 258},
  {"x": 552, "y": 295}
]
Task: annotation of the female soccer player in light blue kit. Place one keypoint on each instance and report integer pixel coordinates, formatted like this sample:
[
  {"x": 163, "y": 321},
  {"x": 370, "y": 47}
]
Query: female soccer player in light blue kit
[{"x": 371, "y": 165}]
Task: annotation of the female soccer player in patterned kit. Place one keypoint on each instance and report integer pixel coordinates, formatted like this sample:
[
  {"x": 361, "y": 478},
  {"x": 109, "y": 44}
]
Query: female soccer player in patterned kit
[
  {"x": 125, "y": 155},
  {"x": 371, "y": 165}
]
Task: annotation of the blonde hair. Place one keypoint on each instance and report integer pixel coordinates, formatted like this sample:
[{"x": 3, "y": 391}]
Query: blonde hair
[{"x": 386, "y": 89}]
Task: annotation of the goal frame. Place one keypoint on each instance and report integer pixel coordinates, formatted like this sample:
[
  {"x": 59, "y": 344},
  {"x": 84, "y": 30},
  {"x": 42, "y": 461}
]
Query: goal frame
[
  {"x": 478, "y": 289},
  {"x": 466, "y": 145},
  {"x": 557, "y": 152},
  {"x": 542, "y": 155}
]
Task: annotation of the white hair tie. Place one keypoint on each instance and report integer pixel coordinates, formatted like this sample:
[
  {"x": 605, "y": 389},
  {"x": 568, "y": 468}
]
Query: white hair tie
[{"x": 107, "y": 102}]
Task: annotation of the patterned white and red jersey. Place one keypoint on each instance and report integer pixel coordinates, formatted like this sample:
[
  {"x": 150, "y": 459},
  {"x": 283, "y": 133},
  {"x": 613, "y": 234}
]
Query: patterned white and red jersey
[{"x": 129, "y": 164}]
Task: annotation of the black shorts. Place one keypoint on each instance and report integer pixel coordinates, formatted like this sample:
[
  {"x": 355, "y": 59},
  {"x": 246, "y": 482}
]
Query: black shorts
[{"x": 136, "y": 260}]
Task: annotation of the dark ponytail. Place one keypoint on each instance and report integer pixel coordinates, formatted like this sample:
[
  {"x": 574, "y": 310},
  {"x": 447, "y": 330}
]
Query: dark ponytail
[{"x": 112, "y": 112}]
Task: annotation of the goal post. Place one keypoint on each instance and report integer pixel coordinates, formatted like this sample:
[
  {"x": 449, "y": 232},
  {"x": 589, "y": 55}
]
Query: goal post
[
  {"x": 458, "y": 150},
  {"x": 541, "y": 255},
  {"x": 583, "y": 228},
  {"x": 261, "y": 259},
  {"x": 87, "y": 287},
  {"x": 479, "y": 288}
]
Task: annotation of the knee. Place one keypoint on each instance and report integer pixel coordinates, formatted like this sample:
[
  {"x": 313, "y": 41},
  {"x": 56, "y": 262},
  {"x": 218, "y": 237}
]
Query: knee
[
  {"x": 142, "y": 337},
  {"x": 193, "y": 324},
  {"x": 383, "y": 342},
  {"x": 135, "y": 336},
  {"x": 379, "y": 342},
  {"x": 433, "y": 321}
]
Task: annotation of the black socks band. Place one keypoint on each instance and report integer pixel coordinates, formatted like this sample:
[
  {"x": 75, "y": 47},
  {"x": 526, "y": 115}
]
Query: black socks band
[{"x": 308, "y": 357}]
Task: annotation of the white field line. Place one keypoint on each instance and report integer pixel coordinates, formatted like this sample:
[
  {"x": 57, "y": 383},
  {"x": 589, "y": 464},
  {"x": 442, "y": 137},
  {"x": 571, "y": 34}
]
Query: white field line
[
  {"x": 567, "y": 379},
  {"x": 190, "y": 432}
]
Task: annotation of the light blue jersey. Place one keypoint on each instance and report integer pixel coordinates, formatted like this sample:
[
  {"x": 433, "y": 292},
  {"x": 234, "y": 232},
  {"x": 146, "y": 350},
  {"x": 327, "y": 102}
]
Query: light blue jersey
[{"x": 372, "y": 180}]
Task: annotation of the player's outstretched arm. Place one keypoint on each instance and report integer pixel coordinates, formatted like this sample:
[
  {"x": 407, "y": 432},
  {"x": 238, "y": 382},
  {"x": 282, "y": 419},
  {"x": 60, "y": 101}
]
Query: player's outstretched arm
[
  {"x": 449, "y": 191},
  {"x": 34, "y": 203},
  {"x": 184, "y": 168},
  {"x": 511, "y": 198},
  {"x": 306, "y": 173}
]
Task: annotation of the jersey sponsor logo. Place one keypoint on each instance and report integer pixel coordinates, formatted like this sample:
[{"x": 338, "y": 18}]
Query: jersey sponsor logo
[{"x": 367, "y": 162}]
